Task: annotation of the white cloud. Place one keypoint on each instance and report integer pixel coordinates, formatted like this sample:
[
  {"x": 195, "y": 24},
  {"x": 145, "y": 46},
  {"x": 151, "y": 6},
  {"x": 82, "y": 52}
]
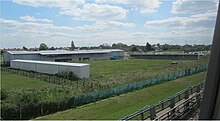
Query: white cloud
[
  {"x": 120, "y": 24},
  {"x": 193, "y": 6},
  {"x": 205, "y": 19},
  {"x": 63, "y": 4},
  {"x": 144, "y": 6},
  {"x": 30, "y": 27},
  {"x": 33, "y": 19},
  {"x": 32, "y": 33},
  {"x": 33, "y": 26},
  {"x": 197, "y": 28},
  {"x": 80, "y": 9},
  {"x": 95, "y": 12},
  {"x": 108, "y": 25}
]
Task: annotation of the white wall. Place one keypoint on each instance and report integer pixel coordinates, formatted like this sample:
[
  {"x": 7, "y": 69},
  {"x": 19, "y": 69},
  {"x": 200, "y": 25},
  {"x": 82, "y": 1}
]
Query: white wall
[{"x": 79, "y": 71}]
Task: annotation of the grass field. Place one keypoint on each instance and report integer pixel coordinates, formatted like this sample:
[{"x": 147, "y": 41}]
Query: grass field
[
  {"x": 108, "y": 68},
  {"x": 111, "y": 73},
  {"x": 108, "y": 73},
  {"x": 117, "y": 67},
  {"x": 117, "y": 107},
  {"x": 20, "y": 90},
  {"x": 15, "y": 82}
]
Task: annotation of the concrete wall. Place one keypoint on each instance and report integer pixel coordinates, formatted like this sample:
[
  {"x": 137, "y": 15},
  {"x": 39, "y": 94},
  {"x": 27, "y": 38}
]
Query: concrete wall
[
  {"x": 79, "y": 71},
  {"x": 166, "y": 56}
]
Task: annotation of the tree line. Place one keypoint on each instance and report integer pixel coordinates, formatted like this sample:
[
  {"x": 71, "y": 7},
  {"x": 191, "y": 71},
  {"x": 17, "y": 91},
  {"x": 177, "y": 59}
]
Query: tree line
[{"x": 133, "y": 48}]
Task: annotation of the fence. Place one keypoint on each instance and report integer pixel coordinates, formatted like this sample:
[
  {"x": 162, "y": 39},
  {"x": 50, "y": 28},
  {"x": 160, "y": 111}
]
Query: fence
[
  {"x": 31, "y": 111},
  {"x": 41, "y": 76},
  {"x": 190, "y": 98}
]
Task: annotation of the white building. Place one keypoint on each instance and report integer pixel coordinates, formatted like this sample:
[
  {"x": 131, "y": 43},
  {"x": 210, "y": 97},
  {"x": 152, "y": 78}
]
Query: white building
[
  {"x": 63, "y": 55},
  {"x": 80, "y": 70}
]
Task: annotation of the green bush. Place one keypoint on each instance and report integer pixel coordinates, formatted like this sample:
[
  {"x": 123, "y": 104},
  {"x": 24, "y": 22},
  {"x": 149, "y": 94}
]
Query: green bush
[
  {"x": 4, "y": 94},
  {"x": 67, "y": 75}
]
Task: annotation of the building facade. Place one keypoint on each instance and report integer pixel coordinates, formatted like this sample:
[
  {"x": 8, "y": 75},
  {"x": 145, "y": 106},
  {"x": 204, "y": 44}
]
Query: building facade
[{"x": 63, "y": 55}]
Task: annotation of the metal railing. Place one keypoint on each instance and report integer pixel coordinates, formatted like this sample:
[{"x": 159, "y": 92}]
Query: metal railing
[
  {"x": 182, "y": 110},
  {"x": 172, "y": 107}
]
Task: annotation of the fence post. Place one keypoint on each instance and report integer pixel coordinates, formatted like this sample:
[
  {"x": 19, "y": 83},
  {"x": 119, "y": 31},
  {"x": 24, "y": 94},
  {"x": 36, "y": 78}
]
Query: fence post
[
  {"x": 172, "y": 104},
  {"x": 186, "y": 97},
  {"x": 20, "y": 110},
  {"x": 187, "y": 94},
  {"x": 191, "y": 90},
  {"x": 162, "y": 104},
  {"x": 152, "y": 112},
  {"x": 198, "y": 89},
  {"x": 142, "y": 115},
  {"x": 42, "y": 109},
  {"x": 198, "y": 99}
]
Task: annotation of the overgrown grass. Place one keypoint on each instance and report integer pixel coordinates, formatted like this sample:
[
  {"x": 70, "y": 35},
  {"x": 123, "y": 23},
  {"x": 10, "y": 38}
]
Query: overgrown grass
[
  {"x": 107, "y": 74},
  {"x": 20, "y": 90},
  {"x": 112, "y": 73},
  {"x": 17, "y": 82},
  {"x": 117, "y": 107}
]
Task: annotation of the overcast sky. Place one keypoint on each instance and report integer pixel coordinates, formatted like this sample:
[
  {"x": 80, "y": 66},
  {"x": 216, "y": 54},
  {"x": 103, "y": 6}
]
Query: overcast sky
[{"x": 94, "y": 22}]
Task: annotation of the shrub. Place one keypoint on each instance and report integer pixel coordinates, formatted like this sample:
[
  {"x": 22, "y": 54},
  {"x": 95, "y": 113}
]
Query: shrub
[
  {"x": 4, "y": 94},
  {"x": 67, "y": 75}
]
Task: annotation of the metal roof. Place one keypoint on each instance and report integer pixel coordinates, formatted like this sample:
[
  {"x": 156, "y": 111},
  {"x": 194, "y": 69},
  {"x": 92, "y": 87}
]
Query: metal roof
[
  {"x": 55, "y": 52},
  {"x": 23, "y": 52},
  {"x": 74, "y": 52},
  {"x": 52, "y": 63}
]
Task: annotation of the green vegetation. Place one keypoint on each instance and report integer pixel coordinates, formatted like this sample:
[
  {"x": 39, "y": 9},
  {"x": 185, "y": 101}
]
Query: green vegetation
[
  {"x": 112, "y": 73},
  {"x": 117, "y": 107},
  {"x": 107, "y": 74},
  {"x": 20, "y": 90},
  {"x": 16, "y": 82}
]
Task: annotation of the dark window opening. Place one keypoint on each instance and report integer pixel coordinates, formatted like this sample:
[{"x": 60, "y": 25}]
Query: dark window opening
[
  {"x": 63, "y": 60},
  {"x": 85, "y": 59}
]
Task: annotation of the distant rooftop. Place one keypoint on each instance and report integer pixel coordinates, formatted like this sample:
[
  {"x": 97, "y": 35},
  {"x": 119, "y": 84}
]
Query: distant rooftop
[
  {"x": 50, "y": 62},
  {"x": 54, "y": 52}
]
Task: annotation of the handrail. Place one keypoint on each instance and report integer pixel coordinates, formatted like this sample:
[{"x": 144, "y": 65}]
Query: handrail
[
  {"x": 180, "y": 107},
  {"x": 169, "y": 102}
]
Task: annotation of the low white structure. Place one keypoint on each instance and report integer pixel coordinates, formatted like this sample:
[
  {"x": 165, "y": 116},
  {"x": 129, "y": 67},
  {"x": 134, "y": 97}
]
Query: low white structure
[{"x": 79, "y": 70}]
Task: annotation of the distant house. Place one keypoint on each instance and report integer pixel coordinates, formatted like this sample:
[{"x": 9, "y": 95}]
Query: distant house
[{"x": 63, "y": 55}]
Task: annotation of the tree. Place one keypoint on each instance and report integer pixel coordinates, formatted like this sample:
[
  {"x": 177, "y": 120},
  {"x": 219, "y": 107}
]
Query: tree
[
  {"x": 72, "y": 46},
  {"x": 166, "y": 47},
  {"x": 43, "y": 46},
  {"x": 148, "y": 47},
  {"x": 105, "y": 46},
  {"x": 52, "y": 48},
  {"x": 134, "y": 47},
  {"x": 114, "y": 46},
  {"x": 24, "y": 48}
]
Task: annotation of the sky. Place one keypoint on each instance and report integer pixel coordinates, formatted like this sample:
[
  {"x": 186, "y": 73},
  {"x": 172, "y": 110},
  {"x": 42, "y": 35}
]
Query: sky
[{"x": 94, "y": 22}]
